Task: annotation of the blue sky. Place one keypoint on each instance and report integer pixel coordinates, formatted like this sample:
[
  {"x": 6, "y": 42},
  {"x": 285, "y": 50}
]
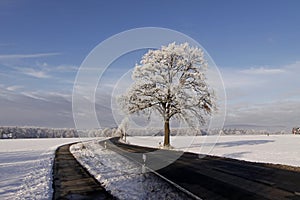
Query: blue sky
[{"x": 256, "y": 45}]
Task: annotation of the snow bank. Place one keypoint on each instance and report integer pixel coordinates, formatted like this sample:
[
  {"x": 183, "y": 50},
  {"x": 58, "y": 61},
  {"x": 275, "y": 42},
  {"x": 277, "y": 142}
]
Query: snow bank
[
  {"x": 123, "y": 178},
  {"x": 277, "y": 149}
]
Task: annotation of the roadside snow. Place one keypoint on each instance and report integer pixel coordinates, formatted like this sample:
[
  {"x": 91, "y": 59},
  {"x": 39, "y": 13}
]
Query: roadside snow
[
  {"x": 277, "y": 149},
  {"x": 26, "y": 167},
  {"x": 123, "y": 178}
]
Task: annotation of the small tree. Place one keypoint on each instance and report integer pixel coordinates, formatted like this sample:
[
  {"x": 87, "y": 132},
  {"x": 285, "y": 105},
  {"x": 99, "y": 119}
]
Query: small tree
[
  {"x": 171, "y": 81},
  {"x": 122, "y": 128}
]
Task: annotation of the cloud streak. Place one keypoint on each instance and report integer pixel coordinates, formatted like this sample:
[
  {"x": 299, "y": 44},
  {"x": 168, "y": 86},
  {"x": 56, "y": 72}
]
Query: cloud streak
[
  {"x": 263, "y": 71},
  {"x": 263, "y": 96},
  {"x": 33, "y": 72},
  {"x": 14, "y": 87},
  {"x": 22, "y": 56}
]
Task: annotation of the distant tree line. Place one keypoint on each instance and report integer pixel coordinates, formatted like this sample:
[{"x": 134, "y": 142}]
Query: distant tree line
[
  {"x": 203, "y": 132},
  {"x": 235, "y": 131},
  {"x": 15, "y": 132}
]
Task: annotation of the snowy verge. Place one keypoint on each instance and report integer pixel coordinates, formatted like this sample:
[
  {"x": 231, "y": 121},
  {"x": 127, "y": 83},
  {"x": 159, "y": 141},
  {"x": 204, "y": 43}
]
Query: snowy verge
[
  {"x": 276, "y": 149},
  {"x": 123, "y": 178}
]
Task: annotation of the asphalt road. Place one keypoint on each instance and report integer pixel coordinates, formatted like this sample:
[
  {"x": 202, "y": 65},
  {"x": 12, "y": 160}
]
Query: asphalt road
[
  {"x": 72, "y": 181},
  {"x": 212, "y": 178}
]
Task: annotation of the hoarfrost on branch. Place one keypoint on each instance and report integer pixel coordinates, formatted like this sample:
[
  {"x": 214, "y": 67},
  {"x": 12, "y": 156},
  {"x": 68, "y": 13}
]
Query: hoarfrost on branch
[{"x": 172, "y": 82}]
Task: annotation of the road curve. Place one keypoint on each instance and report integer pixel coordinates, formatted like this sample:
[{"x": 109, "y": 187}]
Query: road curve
[
  {"x": 72, "y": 181},
  {"x": 216, "y": 178}
]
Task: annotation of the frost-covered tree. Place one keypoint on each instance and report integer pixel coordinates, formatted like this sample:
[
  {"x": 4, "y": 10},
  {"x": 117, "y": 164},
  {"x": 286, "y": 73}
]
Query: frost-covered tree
[
  {"x": 172, "y": 82},
  {"x": 122, "y": 128}
]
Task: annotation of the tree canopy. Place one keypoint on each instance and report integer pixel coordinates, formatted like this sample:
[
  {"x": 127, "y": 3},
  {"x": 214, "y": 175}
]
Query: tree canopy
[{"x": 172, "y": 82}]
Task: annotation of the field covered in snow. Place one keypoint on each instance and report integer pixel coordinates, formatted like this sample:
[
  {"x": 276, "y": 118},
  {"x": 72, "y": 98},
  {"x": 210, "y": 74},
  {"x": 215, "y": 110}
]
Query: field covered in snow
[
  {"x": 26, "y": 167},
  {"x": 277, "y": 149}
]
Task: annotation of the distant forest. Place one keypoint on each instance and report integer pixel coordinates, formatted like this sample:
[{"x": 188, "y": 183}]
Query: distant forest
[
  {"x": 9, "y": 132},
  {"x": 39, "y": 132}
]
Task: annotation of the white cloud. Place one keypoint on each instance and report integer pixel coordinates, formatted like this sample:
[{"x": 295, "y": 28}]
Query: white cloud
[
  {"x": 65, "y": 68},
  {"x": 59, "y": 95},
  {"x": 35, "y": 108},
  {"x": 33, "y": 95},
  {"x": 263, "y": 71},
  {"x": 14, "y": 87},
  {"x": 262, "y": 78},
  {"x": 293, "y": 66},
  {"x": 22, "y": 56},
  {"x": 33, "y": 72},
  {"x": 278, "y": 113},
  {"x": 263, "y": 95},
  {"x": 60, "y": 68}
]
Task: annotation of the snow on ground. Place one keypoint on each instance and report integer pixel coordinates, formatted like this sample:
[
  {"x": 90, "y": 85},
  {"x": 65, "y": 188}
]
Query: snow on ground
[
  {"x": 26, "y": 167},
  {"x": 123, "y": 178},
  {"x": 277, "y": 149},
  {"x": 26, "y": 164}
]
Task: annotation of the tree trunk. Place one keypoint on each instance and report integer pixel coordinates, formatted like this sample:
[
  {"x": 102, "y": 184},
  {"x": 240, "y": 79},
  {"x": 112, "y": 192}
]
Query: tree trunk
[{"x": 167, "y": 134}]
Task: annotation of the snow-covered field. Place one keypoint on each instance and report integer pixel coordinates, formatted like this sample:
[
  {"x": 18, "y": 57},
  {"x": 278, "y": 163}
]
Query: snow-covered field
[
  {"x": 26, "y": 167},
  {"x": 278, "y": 149}
]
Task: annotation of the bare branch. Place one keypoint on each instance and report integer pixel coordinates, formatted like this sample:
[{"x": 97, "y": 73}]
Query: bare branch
[{"x": 172, "y": 82}]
